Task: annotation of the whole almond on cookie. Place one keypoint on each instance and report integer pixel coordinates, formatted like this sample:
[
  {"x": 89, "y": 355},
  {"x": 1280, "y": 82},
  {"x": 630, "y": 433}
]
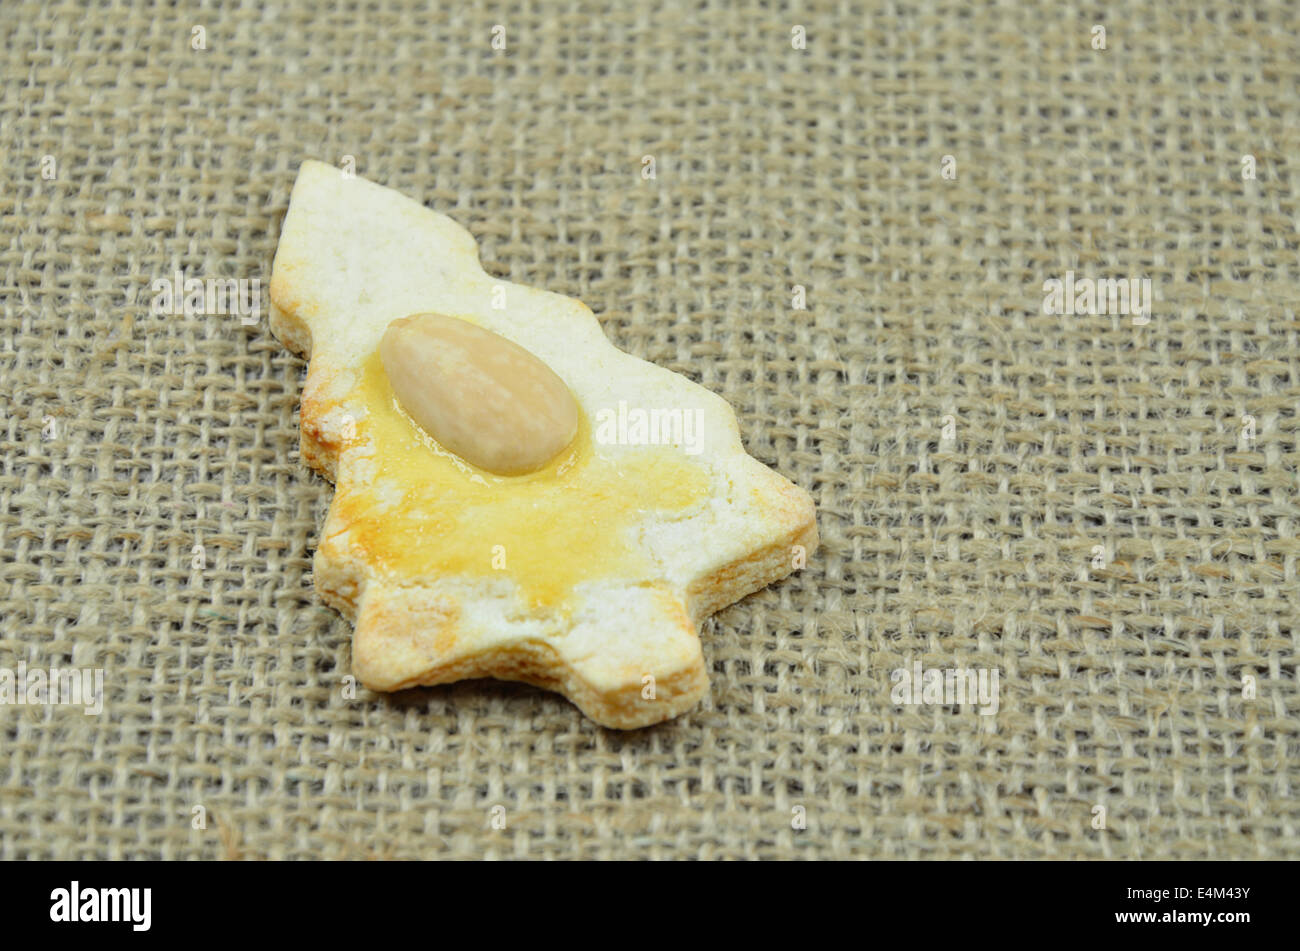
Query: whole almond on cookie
[{"x": 481, "y": 396}]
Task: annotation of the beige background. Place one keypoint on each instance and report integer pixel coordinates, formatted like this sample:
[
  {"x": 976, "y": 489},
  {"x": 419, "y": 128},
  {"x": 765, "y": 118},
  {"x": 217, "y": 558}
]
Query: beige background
[{"x": 1120, "y": 687}]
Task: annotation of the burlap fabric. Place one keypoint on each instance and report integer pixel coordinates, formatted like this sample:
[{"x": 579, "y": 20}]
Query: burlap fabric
[{"x": 1097, "y": 520}]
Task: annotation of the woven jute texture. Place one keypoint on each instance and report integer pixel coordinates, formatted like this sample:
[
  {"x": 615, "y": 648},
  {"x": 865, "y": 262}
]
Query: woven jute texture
[{"x": 1099, "y": 507}]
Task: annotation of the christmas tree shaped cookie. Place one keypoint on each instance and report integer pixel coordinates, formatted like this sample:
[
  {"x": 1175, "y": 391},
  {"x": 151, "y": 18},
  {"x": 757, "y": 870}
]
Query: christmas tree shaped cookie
[{"x": 514, "y": 496}]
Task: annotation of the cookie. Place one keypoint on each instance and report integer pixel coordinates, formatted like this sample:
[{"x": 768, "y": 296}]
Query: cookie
[{"x": 584, "y": 569}]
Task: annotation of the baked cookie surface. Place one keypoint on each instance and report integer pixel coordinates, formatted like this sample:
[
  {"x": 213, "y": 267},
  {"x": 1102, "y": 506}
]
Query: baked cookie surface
[{"x": 588, "y": 576}]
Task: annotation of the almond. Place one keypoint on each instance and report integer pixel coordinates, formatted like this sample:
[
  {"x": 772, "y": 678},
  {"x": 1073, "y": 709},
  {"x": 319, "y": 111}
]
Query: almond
[{"x": 479, "y": 395}]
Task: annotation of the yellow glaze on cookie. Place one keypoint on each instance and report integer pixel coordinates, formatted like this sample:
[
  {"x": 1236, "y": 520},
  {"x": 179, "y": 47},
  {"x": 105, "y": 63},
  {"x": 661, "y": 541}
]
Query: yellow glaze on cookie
[{"x": 425, "y": 512}]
